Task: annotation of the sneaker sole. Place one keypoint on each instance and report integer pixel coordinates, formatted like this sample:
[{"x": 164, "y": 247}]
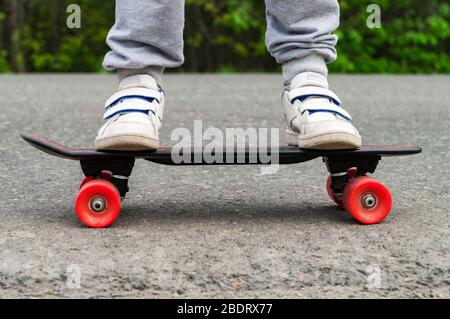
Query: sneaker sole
[
  {"x": 127, "y": 143},
  {"x": 330, "y": 141}
]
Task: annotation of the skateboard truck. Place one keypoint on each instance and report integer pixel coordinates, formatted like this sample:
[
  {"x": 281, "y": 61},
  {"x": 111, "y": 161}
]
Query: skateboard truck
[
  {"x": 342, "y": 169},
  {"x": 120, "y": 170}
]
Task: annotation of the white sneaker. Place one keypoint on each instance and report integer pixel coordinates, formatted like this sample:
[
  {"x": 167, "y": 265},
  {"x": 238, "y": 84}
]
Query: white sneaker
[
  {"x": 314, "y": 117},
  {"x": 133, "y": 116}
]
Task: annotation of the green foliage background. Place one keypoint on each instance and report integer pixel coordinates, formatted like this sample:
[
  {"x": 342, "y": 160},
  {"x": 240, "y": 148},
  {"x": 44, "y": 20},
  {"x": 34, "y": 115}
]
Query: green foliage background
[{"x": 227, "y": 36}]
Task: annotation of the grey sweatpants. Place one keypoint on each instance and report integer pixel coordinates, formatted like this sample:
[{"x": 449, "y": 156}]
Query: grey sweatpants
[{"x": 148, "y": 36}]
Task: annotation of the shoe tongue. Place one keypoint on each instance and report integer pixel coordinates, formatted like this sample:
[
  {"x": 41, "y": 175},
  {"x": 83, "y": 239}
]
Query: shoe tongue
[
  {"x": 309, "y": 79},
  {"x": 138, "y": 81}
]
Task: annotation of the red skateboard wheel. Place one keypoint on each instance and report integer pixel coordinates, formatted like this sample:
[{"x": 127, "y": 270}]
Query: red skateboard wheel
[
  {"x": 86, "y": 180},
  {"x": 98, "y": 204},
  {"x": 351, "y": 174},
  {"x": 107, "y": 175},
  {"x": 367, "y": 200}
]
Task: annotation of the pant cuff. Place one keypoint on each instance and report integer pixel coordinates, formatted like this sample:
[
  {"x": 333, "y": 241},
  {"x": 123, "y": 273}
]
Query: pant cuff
[{"x": 310, "y": 63}]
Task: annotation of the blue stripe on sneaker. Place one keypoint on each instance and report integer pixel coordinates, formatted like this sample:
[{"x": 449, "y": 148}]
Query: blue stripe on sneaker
[
  {"x": 302, "y": 98},
  {"x": 129, "y": 97},
  {"x": 130, "y": 111}
]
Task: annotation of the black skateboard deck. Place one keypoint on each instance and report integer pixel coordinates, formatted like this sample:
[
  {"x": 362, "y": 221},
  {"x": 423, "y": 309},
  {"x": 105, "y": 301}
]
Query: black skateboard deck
[
  {"x": 236, "y": 156},
  {"x": 107, "y": 173}
]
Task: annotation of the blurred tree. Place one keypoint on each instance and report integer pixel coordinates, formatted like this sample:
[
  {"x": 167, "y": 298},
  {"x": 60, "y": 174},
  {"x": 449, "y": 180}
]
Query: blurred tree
[{"x": 227, "y": 36}]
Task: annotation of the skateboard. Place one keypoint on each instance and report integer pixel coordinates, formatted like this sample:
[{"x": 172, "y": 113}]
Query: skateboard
[{"x": 106, "y": 173}]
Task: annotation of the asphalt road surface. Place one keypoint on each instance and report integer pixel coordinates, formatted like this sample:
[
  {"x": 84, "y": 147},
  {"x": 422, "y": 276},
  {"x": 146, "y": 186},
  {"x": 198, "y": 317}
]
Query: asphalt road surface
[{"x": 224, "y": 231}]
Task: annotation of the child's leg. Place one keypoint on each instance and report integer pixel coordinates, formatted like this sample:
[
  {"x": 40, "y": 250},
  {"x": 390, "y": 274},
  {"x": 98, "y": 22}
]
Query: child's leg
[
  {"x": 299, "y": 34},
  {"x": 146, "y": 38},
  {"x": 299, "y": 37}
]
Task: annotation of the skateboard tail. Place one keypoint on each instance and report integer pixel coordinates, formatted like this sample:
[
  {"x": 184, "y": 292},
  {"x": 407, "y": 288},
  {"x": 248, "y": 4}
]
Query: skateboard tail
[
  {"x": 46, "y": 146},
  {"x": 62, "y": 151}
]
